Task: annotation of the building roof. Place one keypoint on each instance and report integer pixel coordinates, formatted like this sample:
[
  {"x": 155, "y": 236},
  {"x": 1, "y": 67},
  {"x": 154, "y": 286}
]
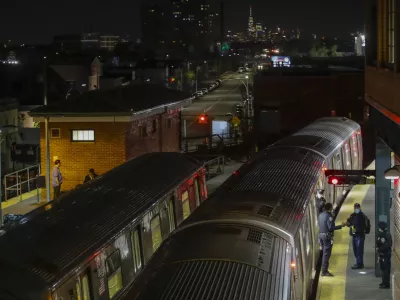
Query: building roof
[
  {"x": 47, "y": 244},
  {"x": 123, "y": 100}
]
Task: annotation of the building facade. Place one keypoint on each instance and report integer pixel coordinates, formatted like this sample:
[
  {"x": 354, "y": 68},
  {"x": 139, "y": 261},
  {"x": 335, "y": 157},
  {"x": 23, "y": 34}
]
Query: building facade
[
  {"x": 382, "y": 110},
  {"x": 103, "y": 129}
]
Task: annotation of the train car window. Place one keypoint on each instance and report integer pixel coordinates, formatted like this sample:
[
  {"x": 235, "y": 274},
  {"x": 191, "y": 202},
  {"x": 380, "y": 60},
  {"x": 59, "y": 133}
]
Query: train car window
[
  {"x": 354, "y": 147},
  {"x": 156, "y": 232},
  {"x": 78, "y": 290},
  {"x": 114, "y": 273},
  {"x": 196, "y": 191},
  {"x": 136, "y": 250},
  {"x": 171, "y": 213},
  {"x": 347, "y": 156},
  {"x": 85, "y": 288},
  {"x": 185, "y": 204}
]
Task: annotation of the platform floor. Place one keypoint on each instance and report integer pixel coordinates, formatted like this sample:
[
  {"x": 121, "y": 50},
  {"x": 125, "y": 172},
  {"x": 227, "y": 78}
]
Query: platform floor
[{"x": 348, "y": 284}]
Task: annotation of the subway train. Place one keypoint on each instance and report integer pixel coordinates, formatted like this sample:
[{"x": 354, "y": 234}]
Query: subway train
[
  {"x": 95, "y": 240},
  {"x": 256, "y": 236}
]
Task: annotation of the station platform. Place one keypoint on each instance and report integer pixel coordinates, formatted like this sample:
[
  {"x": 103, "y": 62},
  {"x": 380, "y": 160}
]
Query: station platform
[{"x": 348, "y": 284}]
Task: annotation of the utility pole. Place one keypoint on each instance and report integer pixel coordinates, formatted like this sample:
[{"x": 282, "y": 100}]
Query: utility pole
[{"x": 47, "y": 133}]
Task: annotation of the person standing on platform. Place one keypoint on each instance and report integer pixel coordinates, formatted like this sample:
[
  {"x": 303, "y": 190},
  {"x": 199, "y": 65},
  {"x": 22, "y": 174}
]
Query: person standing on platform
[
  {"x": 384, "y": 247},
  {"x": 56, "y": 178},
  {"x": 325, "y": 237},
  {"x": 359, "y": 226}
]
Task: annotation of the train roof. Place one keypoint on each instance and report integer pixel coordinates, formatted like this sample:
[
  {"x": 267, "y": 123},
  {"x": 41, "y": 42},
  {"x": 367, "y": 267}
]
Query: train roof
[
  {"x": 49, "y": 243},
  {"x": 275, "y": 186},
  {"x": 201, "y": 268},
  {"x": 323, "y": 136}
]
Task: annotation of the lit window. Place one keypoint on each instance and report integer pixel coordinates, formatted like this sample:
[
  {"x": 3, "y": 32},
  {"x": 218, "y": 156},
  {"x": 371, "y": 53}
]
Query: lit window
[
  {"x": 156, "y": 232},
  {"x": 114, "y": 273},
  {"x": 82, "y": 135},
  {"x": 185, "y": 205}
]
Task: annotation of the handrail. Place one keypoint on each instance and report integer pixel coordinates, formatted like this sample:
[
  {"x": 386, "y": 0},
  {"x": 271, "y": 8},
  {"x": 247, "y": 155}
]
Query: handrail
[{"x": 19, "y": 185}]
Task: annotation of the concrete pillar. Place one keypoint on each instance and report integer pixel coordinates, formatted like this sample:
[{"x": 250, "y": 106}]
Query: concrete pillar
[{"x": 382, "y": 190}]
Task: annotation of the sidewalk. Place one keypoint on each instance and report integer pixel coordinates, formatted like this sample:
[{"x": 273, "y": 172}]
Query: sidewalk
[{"x": 351, "y": 284}]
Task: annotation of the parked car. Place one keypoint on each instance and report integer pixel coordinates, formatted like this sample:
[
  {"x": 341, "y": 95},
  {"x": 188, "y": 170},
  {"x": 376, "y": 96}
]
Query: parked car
[{"x": 200, "y": 93}]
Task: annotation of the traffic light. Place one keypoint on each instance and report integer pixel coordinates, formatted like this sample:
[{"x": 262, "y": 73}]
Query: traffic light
[
  {"x": 171, "y": 79},
  {"x": 203, "y": 119},
  {"x": 239, "y": 110}
]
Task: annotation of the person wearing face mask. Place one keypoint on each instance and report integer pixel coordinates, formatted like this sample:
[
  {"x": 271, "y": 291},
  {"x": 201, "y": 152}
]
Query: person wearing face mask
[
  {"x": 359, "y": 226},
  {"x": 325, "y": 237},
  {"x": 384, "y": 249}
]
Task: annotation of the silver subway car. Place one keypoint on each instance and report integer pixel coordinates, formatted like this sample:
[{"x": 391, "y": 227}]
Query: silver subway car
[
  {"x": 256, "y": 237},
  {"x": 98, "y": 238}
]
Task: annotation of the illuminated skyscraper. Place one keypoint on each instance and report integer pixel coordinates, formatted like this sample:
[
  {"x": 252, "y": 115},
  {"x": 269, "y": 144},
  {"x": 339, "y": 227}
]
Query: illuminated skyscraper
[{"x": 251, "y": 28}]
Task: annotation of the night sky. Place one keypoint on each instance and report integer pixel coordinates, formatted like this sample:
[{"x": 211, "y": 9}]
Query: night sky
[{"x": 26, "y": 21}]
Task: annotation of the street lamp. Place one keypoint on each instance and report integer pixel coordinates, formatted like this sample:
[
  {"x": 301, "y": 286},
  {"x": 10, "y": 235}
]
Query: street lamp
[{"x": 2, "y": 129}]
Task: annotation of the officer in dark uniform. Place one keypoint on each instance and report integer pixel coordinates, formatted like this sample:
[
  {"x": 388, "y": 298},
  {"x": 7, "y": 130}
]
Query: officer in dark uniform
[
  {"x": 325, "y": 237},
  {"x": 384, "y": 248},
  {"x": 320, "y": 201},
  {"x": 356, "y": 222}
]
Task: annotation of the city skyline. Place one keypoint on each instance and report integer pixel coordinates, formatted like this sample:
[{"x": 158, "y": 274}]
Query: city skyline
[{"x": 39, "y": 22}]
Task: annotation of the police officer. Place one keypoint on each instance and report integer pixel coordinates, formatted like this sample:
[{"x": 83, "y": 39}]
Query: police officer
[
  {"x": 325, "y": 237},
  {"x": 384, "y": 248},
  {"x": 357, "y": 224},
  {"x": 320, "y": 201}
]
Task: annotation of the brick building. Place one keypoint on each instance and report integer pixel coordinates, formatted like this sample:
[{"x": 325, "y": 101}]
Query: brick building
[{"x": 102, "y": 129}]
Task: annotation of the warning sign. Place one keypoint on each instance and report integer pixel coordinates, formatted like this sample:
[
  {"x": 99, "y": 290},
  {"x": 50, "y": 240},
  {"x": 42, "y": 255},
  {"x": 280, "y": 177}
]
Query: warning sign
[{"x": 235, "y": 121}]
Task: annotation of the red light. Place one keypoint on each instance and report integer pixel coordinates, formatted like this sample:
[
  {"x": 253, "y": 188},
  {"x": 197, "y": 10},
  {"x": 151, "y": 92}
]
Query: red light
[
  {"x": 335, "y": 181},
  {"x": 202, "y": 118},
  {"x": 235, "y": 173}
]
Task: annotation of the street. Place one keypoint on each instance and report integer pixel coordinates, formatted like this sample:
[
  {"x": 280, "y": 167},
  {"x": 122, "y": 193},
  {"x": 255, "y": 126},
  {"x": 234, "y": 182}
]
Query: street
[{"x": 216, "y": 104}]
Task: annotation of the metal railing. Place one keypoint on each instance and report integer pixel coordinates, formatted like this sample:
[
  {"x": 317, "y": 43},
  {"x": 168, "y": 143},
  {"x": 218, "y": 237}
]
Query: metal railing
[
  {"x": 214, "y": 167},
  {"x": 20, "y": 182},
  {"x": 193, "y": 144}
]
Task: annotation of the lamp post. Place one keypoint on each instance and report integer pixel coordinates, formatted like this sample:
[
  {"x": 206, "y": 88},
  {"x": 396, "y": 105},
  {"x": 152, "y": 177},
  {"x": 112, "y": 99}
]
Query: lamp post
[
  {"x": 2, "y": 129},
  {"x": 47, "y": 131}
]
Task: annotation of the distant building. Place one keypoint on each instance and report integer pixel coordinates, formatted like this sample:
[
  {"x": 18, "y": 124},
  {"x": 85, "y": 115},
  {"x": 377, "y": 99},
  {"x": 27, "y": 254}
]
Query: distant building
[
  {"x": 286, "y": 99},
  {"x": 108, "y": 42},
  {"x": 67, "y": 43},
  {"x": 177, "y": 27},
  {"x": 102, "y": 129},
  {"x": 72, "y": 75},
  {"x": 90, "y": 41}
]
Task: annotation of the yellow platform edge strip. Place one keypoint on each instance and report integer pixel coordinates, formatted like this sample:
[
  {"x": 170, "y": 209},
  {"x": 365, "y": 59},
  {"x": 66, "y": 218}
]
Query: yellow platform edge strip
[{"x": 334, "y": 288}]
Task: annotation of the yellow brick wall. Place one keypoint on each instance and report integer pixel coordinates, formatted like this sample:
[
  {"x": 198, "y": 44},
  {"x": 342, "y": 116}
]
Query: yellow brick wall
[{"x": 107, "y": 152}]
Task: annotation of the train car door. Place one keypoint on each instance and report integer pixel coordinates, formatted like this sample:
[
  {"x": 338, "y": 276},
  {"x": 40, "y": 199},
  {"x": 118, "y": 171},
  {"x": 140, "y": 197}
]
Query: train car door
[
  {"x": 354, "y": 152},
  {"x": 337, "y": 165}
]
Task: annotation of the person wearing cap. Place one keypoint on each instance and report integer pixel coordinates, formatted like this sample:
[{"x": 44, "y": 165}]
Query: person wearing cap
[
  {"x": 358, "y": 223},
  {"x": 56, "y": 178},
  {"x": 320, "y": 201},
  {"x": 384, "y": 248},
  {"x": 325, "y": 237}
]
